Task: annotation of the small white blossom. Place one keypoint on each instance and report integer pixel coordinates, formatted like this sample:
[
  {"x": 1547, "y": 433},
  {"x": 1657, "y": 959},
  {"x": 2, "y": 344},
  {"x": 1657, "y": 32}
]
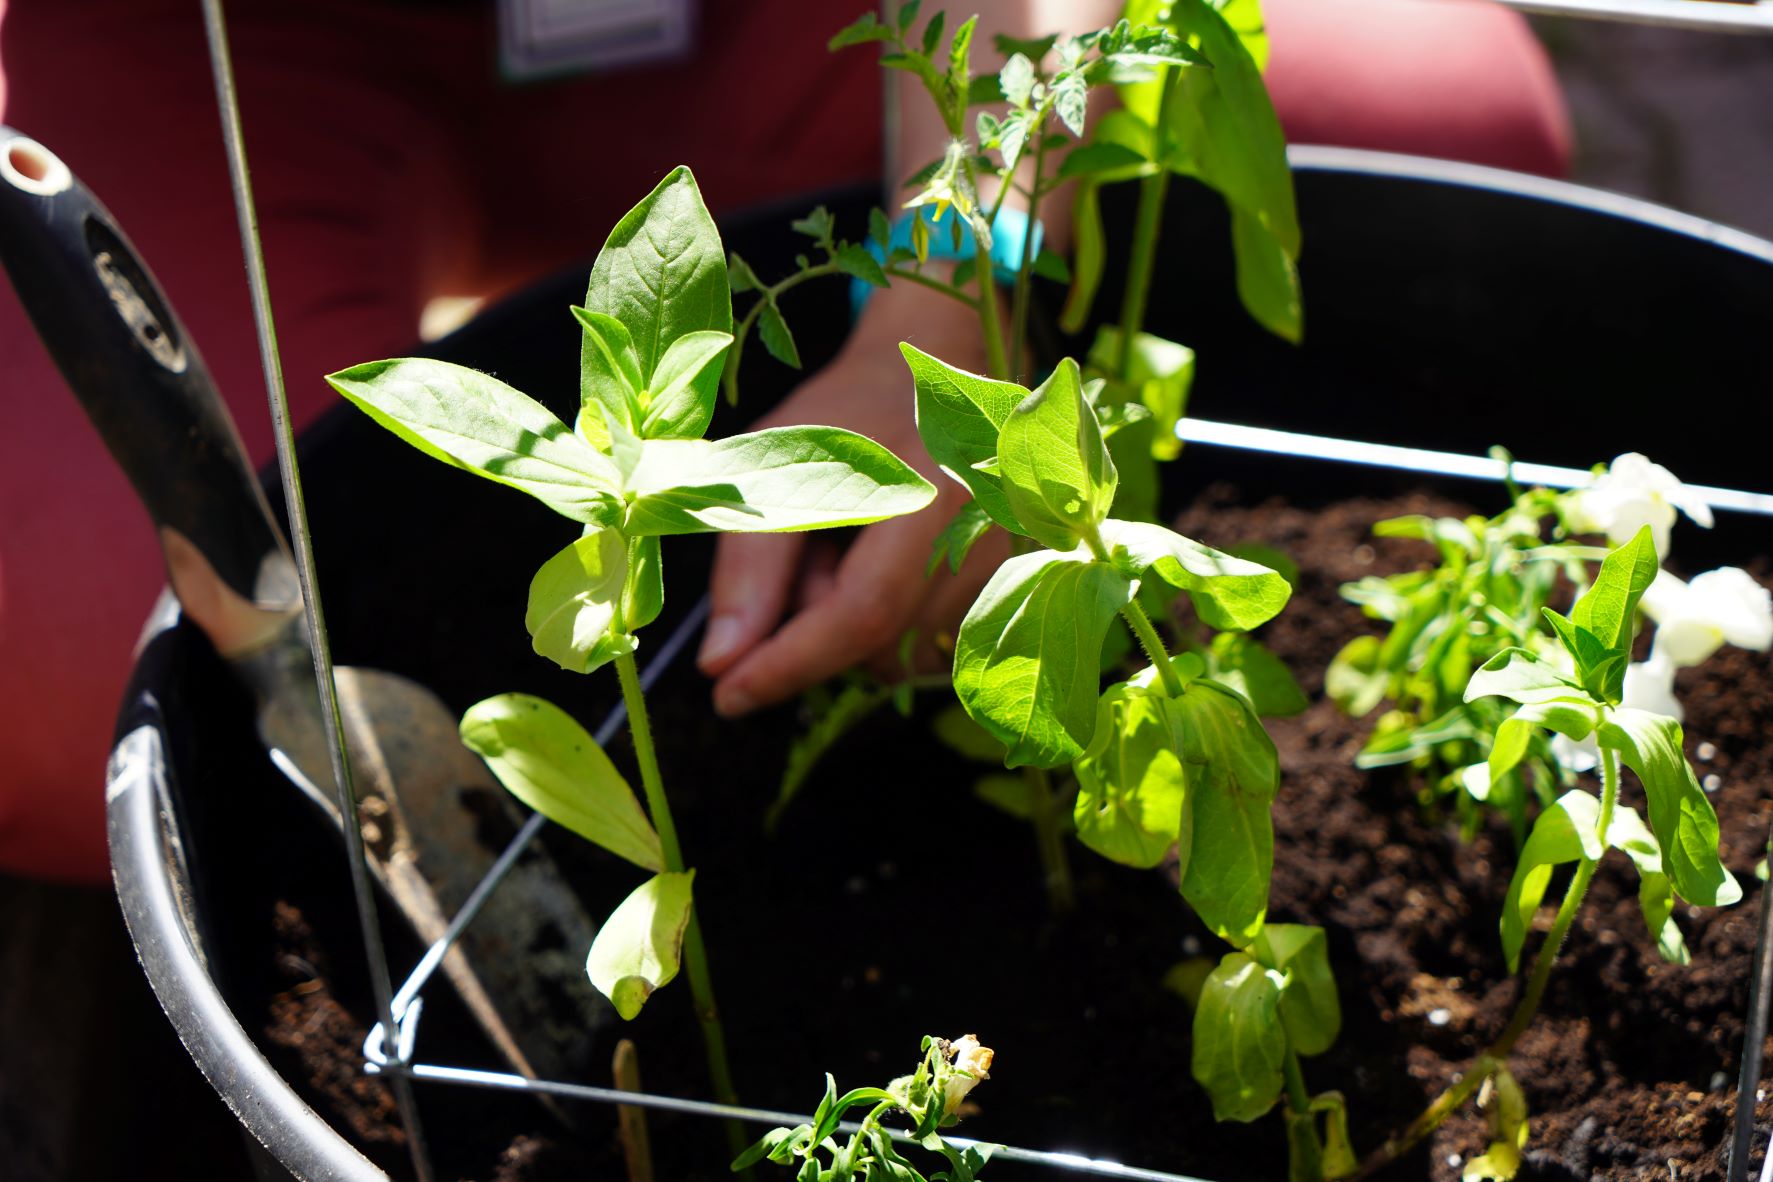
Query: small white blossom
[
  {"x": 1634, "y": 492},
  {"x": 1719, "y": 607},
  {"x": 972, "y": 1063}
]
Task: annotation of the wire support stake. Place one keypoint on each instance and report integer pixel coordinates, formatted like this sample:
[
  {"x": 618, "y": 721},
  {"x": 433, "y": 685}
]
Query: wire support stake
[
  {"x": 227, "y": 102},
  {"x": 404, "y": 1006},
  {"x": 1075, "y": 1163}
]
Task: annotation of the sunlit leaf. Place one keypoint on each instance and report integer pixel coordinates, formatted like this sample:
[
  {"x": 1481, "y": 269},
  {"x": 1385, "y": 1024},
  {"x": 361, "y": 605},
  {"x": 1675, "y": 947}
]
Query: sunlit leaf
[
  {"x": 640, "y": 945},
  {"x": 547, "y": 760}
]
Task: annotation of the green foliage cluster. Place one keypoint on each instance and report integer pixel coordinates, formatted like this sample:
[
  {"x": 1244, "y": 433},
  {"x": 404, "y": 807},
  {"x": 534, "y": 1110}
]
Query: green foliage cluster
[
  {"x": 929, "y": 1099},
  {"x": 1494, "y": 579}
]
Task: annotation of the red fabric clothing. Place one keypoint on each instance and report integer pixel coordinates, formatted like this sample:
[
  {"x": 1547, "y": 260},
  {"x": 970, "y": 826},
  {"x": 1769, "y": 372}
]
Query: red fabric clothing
[{"x": 391, "y": 164}]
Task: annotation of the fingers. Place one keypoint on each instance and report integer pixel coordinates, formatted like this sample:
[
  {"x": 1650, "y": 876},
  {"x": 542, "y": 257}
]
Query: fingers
[
  {"x": 748, "y": 590},
  {"x": 875, "y": 592}
]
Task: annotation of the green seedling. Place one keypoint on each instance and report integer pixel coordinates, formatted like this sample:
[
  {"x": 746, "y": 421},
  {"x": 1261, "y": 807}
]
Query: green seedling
[
  {"x": 656, "y": 325},
  {"x": 929, "y": 1099},
  {"x": 1676, "y": 854}
]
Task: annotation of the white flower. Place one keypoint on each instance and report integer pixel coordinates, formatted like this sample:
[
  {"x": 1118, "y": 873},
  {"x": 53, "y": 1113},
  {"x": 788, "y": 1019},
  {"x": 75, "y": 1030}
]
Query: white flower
[
  {"x": 1633, "y": 493},
  {"x": 972, "y": 1063},
  {"x": 1719, "y": 607}
]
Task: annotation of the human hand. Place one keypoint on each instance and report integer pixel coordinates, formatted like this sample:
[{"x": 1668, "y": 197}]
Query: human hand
[{"x": 790, "y": 610}]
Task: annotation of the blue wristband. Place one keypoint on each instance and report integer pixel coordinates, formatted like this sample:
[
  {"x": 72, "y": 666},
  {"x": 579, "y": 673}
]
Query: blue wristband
[{"x": 1007, "y": 234}]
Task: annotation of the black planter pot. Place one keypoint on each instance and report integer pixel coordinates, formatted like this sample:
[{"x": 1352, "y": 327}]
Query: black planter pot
[{"x": 1446, "y": 307}]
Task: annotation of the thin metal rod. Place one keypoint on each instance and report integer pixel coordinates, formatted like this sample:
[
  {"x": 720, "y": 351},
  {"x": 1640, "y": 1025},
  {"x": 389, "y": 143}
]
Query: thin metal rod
[
  {"x": 1075, "y": 1163},
  {"x": 1416, "y": 459},
  {"x": 375, "y": 953},
  {"x": 655, "y": 668},
  {"x": 1748, "y": 1081},
  {"x": 1702, "y": 15}
]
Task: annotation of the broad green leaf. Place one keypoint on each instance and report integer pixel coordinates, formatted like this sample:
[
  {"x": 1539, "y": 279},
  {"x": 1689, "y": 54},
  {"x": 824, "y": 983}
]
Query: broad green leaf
[
  {"x": 573, "y": 603},
  {"x": 1521, "y": 677},
  {"x": 609, "y": 375},
  {"x": 1354, "y": 680},
  {"x": 1685, "y": 825},
  {"x": 1572, "y": 717},
  {"x": 958, "y": 416},
  {"x": 1565, "y": 832},
  {"x": 1231, "y": 594},
  {"x": 773, "y": 329},
  {"x": 1027, "y": 654},
  {"x": 679, "y": 401},
  {"x": 480, "y": 424},
  {"x": 1132, "y": 798},
  {"x": 1239, "y": 1044},
  {"x": 780, "y": 480},
  {"x": 1245, "y": 16},
  {"x": 1233, "y": 773},
  {"x": 640, "y": 945},
  {"x": 662, "y": 273},
  {"x": 547, "y": 760},
  {"x": 1053, "y": 465},
  {"x": 1309, "y": 1008},
  {"x": 1600, "y": 669},
  {"x": 1607, "y": 609},
  {"x": 1246, "y": 665},
  {"x": 1160, "y": 371},
  {"x": 969, "y": 523},
  {"x": 1224, "y": 132}
]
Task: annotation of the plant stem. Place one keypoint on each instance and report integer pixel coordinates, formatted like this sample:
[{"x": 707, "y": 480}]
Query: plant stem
[
  {"x": 989, "y": 323},
  {"x": 1496, "y": 1055},
  {"x": 695, "y": 953},
  {"x": 1146, "y": 222},
  {"x": 1049, "y": 840},
  {"x": 1024, "y": 274},
  {"x": 1153, "y": 644},
  {"x": 1298, "y": 1096}
]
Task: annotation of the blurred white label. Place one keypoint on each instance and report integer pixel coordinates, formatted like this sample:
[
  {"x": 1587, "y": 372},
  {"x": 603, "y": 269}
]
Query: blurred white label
[{"x": 548, "y": 38}]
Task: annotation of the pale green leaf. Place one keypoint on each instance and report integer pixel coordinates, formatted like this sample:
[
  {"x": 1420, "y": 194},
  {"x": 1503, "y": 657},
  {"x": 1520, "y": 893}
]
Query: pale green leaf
[
  {"x": 958, "y": 416},
  {"x": 1053, "y": 465},
  {"x": 1656, "y": 899},
  {"x": 1686, "y": 827},
  {"x": 1132, "y": 798},
  {"x": 1239, "y": 1044},
  {"x": 544, "y": 758},
  {"x": 1231, "y": 594},
  {"x": 1233, "y": 774},
  {"x": 1160, "y": 371},
  {"x": 609, "y": 375},
  {"x": 783, "y": 479},
  {"x": 640, "y": 945},
  {"x": 1573, "y": 717},
  {"x": 1309, "y": 1008},
  {"x": 662, "y": 273},
  {"x": 1519, "y": 676},
  {"x": 573, "y": 603},
  {"x": 480, "y": 424},
  {"x": 679, "y": 401},
  {"x": 1565, "y": 832},
  {"x": 646, "y": 583},
  {"x": 1246, "y": 665},
  {"x": 1027, "y": 654},
  {"x": 1354, "y": 680}
]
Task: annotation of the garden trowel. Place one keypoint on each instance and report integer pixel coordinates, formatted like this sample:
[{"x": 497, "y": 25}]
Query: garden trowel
[{"x": 422, "y": 796}]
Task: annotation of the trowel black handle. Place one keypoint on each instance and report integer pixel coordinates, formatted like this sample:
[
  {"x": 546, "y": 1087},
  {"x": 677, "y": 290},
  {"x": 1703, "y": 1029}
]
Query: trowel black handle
[{"x": 136, "y": 373}]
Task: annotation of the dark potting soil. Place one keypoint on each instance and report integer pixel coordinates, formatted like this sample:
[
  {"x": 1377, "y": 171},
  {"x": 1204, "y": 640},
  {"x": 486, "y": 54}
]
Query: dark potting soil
[{"x": 893, "y": 903}]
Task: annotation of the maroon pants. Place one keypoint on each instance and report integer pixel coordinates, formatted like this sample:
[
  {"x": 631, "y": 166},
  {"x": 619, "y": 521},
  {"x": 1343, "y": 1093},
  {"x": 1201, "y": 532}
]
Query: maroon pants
[{"x": 391, "y": 165}]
